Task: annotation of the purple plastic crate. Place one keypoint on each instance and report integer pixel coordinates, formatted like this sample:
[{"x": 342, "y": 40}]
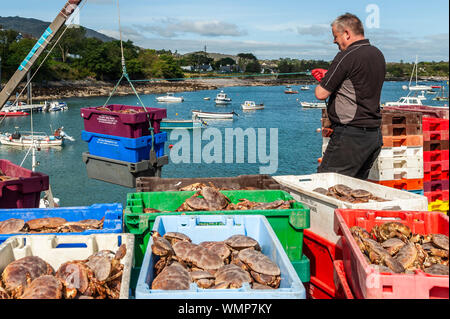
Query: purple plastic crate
[
  {"x": 23, "y": 192},
  {"x": 434, "y": 186},
  {"x": 131, "y": 125}
]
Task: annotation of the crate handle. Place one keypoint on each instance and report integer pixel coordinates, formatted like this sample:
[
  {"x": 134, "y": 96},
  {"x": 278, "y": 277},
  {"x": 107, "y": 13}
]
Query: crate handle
[
  {"x": 391, "y": 208},
  {"x": 305, "y": 180}
]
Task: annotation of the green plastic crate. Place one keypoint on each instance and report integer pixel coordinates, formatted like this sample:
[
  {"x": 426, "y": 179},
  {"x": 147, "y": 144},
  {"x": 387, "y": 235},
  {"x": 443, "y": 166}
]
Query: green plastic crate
[{"x": 288, "y": 224}]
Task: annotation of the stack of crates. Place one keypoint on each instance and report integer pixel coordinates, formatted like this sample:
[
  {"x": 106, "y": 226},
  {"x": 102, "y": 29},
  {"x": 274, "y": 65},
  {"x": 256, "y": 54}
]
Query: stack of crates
[
  {"x": 125, "y": 142},
  {"x": 400, "y": 163},
  {"x": 436, "y": 162}
]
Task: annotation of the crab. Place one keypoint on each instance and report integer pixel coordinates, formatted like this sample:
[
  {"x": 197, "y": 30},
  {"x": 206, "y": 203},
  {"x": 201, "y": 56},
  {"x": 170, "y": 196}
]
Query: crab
[
  {"x": 407, "y": 256},
  {"x": 47, "y": 224},
  {"x": 261, "y": 268},
  {"x": 378, "y": 255},
  {"x": 11, "y": 226},
  {"x": 393, "y": 245},
  {"x": 437, "y": 269},
  {"x": 202, "y": 278},
  {"x": 219, "y": 248},
  {"x": 44, "y": 287},
  {"x": 278, "y": 204},
  {"x": 3, "y": 293},
  {"x": 231, "y": 276},
  {"x": 320, "y": 190},
  {"x": 390, "y": 230},
  {"x": 173, "y": 277},
  {"x": 440, "y": 241},
  {"x": 77, "y": 278},
  {"x": 161, "y": 247},
  {"x": 340, "y": 190},
  {"x": 239, "y": 242},
  {"x": 174, "y": 237},
  {"x": 197, "y": 257},
  {"x": 18, "y": 274},
  {"x": 193, "y": 187},
  {"x": 81, "y": 225},
  {"x": 212, "y": 200}
]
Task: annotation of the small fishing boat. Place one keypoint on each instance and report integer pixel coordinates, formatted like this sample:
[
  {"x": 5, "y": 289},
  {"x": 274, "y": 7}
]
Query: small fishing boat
[
  {"x": 222, "y": 98},
  {"x": 251, "y": 105},
  {"x": 207, "y": 98},
  {"x": 304, "y": 88},
  {"x": 170, "y": 98},
  {"x": 41, "y": 139},
  {"x": 289, "y": 90},
  {"x": 441, "y": 96},
  {"x": 55, "y": 106},
  {"x": 168, "y": 124},
  {"x": 23, "y": 107},
  {"x": 313, "y": 105},
  {"x": 13, "y": 113},
  {"x": 405, "y": 101},
  {"x": 212, "y": 115}
]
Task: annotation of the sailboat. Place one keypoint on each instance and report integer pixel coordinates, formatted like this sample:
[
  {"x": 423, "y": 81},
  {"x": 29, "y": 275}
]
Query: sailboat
[
  {"x": 417, "y": 87},
  {"x": 441, "y": 96}
]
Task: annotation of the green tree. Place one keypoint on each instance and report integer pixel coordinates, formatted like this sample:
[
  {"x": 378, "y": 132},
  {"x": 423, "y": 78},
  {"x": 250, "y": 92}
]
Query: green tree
[
  {"x": 71, "y": 41},
  {"x": 253, "y": 67}
]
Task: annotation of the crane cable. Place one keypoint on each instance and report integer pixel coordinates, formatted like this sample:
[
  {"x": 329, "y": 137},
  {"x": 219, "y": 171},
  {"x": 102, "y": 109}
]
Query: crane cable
[{"x": 125, "y": 75}]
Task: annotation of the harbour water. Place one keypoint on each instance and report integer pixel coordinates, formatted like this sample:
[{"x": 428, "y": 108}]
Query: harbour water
[{"x": 299, "y": 144}]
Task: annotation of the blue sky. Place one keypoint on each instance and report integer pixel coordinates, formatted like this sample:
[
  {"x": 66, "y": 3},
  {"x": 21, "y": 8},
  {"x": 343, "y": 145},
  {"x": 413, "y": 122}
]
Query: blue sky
[{"x": 269, "y": 29}]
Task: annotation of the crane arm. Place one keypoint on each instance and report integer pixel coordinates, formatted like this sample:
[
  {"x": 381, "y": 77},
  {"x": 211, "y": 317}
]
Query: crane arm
[{"x": 36, "y": 51}]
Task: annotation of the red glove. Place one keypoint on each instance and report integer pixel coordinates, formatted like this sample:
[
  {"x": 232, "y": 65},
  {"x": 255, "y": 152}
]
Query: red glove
[{"x": 318, "y": 74}]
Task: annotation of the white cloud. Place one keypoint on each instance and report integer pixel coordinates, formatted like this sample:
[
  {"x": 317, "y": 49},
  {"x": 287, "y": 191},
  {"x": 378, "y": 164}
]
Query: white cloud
[{"x": 314, "y": 30}]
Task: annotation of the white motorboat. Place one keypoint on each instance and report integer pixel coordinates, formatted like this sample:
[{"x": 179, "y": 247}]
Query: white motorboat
[
  {"x": 304, "y": 88},
  {"x": 23, "y": 107},
  {"x": 212, "y": 115},
  {"x": 313, "y": 105},
  {"x": 55, "y": 106},
  {"x": 222, "y": 98},
  {"x": 406, "y": 100},
  {"x": 251, "y": 105},
  {"x": 170, "y": 98},
  {"x": 41, "y": 139},
  {"x": 207, "y": 98}
]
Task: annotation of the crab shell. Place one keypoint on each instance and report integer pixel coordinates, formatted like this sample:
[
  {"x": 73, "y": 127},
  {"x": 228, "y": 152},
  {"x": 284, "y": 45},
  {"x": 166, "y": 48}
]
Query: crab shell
[
  {"x": 202, "y": 278},
  {"x": 393, "y": 245},
  {"x": 217, "y": 247},
  {"x": 437, "y": 269},
  {"x": 45, "y": 223},
  {"x": 173, "y": 237},
  {"x": 439, "y": 240},
  {"x": 407, "y": 255},
  {"x": 379, "y": 255},
  {"x": 239, "y": 242},
  {"x": 75, "y": 275},
  {"x": 341, "y": 190},
  {"x": 360, "y": 193},
  {"x": 44, "y": 287},
  {"x": 197, "y": 256},
  {"x": 231, "y": 276},
  {"x": 17, "y": 274},
  {"x": 161, "y": 246},
  {"x": 262, "y": 269},
  {"x": 215, "y": 199},
  {"x": 173, "y": 277},
  {"x": 11, "y": 226}
]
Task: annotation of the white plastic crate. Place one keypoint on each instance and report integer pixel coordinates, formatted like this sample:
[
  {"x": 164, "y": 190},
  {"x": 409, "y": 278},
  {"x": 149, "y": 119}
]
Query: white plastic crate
[
  {"x": 322, "y": 207},
  {"x": 57, "y": 250},
  {"x": 394, "y": 174},
  {"x": 383, "y": 163},
  {"x": 401, "y": 151}
]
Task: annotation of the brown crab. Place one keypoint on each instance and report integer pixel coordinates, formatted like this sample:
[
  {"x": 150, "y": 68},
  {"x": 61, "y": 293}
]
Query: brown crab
[
  {"x": 437, "y": 269},
  {"x": 81, "y": 225},
  {"x": 47, "y": 224},
  {"x": 174, "y": 237},
  {"x": 161, "y": 247},
  {"x": 261, "y": 268},
  {"x": 44, "y": 287},
  {"x": 193, "y": 187},
  {"x": 440, "y": 240},
  {"x": 211, "y": 200},
  {"x": 219, "y": 248},
  {"x": 393, "y": 245},
  {"x": 197, "y": 257},
  {"x": 11, "y": 226},
  {"x": 390, "y": 230},
  {"x": 77, "y": 278},
  {"x": 18, "y": 274},
  {"x": 378, "y": 255},
  {"x": 202, "y": 278},
  {"x": 172, "y": 277},
  {"x": 231, "y": 276}
]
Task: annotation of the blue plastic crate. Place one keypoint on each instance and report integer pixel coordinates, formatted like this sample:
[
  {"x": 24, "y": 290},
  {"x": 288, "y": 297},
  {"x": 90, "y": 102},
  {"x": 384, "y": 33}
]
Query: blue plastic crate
[
  {"x": 123, "y": 148},
  {"x": 113, "y": 213},
  {"x": 418, "y": 192},
  {"x": 219, "y": 227}
]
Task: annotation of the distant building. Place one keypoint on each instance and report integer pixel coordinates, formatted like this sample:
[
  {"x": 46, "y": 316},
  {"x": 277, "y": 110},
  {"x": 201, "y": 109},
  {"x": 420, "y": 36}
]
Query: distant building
[
  {"x": 188, "y": 68},
  {"x": 204, "y": 68}
]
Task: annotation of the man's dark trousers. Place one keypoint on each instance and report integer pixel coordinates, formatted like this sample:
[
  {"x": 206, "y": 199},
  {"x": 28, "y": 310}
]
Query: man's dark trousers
[{"x": 352, "y": 151}]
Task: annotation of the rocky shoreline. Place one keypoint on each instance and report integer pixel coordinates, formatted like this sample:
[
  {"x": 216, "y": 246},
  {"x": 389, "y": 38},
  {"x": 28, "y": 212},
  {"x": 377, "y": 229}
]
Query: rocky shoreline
[{"x": 90, "y": 88}]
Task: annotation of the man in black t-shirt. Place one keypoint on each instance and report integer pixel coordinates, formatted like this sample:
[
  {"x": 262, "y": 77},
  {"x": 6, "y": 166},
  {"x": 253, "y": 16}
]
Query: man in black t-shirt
[{"x": 353, "y": 85}]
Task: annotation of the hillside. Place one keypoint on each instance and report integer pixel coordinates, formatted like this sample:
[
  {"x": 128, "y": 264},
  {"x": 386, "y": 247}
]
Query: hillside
[{"x": 35, "y": 27}]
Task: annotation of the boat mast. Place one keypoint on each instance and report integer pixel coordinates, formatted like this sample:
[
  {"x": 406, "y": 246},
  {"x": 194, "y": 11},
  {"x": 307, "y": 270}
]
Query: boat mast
[{"x": 37, "y": 50}]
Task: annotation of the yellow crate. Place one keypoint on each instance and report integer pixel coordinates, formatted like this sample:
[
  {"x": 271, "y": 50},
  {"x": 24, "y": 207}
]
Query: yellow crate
[{"x": 439, "y": 206}]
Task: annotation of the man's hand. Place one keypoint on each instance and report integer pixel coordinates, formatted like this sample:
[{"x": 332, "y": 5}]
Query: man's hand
[{"x": 318, "y": 74}]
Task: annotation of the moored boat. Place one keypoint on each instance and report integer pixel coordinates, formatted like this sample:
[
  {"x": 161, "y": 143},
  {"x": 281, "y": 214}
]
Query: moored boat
[
  {"x": 212, "y": 115},
  {"x": 251, "y": 105},
  {"x": 168, "y": 124},
  {"x": 13, "y": 113},
  {"x": 170, "y": 98},
  {"x": 222, "y": 98},
  {"x": 289, "y": 90},
  {"x": 313, "y": 105}
]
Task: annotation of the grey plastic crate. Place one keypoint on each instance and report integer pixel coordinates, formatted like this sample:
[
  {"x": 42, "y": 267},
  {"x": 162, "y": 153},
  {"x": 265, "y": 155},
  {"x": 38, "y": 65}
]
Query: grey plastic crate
[{"x": 120, "y": 172}]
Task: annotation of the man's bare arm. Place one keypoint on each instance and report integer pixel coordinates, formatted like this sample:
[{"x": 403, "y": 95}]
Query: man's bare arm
[{"x": 321, "y": 93}]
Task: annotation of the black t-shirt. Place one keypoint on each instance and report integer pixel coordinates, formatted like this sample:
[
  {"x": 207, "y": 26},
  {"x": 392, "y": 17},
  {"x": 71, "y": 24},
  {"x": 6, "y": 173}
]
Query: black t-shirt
[{"x": 355, "y": 79}]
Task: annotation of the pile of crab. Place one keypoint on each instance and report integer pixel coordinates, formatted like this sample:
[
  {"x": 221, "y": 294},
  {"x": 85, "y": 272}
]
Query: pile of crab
[
  {"x": 48, "y": 225},
  {"x": 211, "y": 264},
  {"x": 97, "y": 277},
  {"x": 126, "y": 111},
  {"x": 209, "y": 198},
  {"x": 347, "y": 194},
  {"x": 393, "y": 248}
]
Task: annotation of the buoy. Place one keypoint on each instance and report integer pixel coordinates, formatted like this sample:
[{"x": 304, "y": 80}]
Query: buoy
[
  {"x": 170, "y": 146},
  {"x": 319, "y": 160},
  {"x": 176, "y": 113},
  {"x": 318, "y": 130}
]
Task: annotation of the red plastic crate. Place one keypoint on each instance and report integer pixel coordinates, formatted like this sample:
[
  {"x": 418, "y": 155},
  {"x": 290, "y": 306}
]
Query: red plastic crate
[
  {"x": 441, "y": 145},
  {"x": 435, "y": 175},
  {"x": 435, "y": 136},
  {"x": 340, "y": 281},
  {"x": 435, "y": 166},
  {"x": 131, "y": 125},
  {"x": 413, "y": 184},
  {"x": 434, "y": 124},
  {"x": 435, "y": 186},
  {"x": 402, "y": 140},
  {"x": 436, "y": 195},
  {"x": 321, "y": 254},
  {"x": 367, "y": 283},
  {"x": 433, "y": 156},
  {"x": 24, "y": 192},
  {"x": 315, "y": 292}
]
